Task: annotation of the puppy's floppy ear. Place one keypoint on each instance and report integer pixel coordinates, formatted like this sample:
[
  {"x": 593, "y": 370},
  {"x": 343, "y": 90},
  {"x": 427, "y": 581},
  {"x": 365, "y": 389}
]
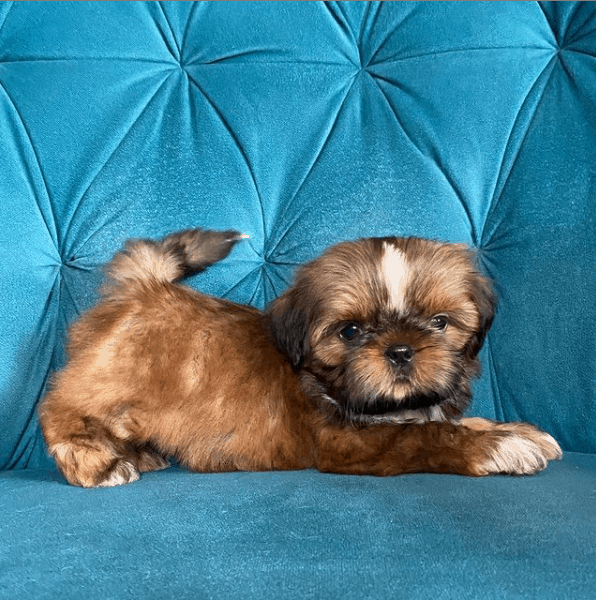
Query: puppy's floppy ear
[
  {"x": 289, "y": 319},
  {"x": 484, "y": 298}
]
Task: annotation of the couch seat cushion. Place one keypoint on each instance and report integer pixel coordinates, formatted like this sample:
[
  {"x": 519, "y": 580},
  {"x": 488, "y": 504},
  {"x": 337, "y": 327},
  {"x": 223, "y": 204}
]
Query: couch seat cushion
[{"x": 176, "y": 534}]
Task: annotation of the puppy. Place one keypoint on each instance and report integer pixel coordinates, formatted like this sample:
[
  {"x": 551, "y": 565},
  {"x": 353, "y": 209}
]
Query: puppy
[{"x": 363, "y": 366}]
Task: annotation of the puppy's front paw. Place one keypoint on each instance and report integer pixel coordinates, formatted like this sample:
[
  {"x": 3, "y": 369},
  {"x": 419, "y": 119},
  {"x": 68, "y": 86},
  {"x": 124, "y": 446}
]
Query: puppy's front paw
[
  {"x": 513, "y": 448},
  {"x": 518, "y": 454}
]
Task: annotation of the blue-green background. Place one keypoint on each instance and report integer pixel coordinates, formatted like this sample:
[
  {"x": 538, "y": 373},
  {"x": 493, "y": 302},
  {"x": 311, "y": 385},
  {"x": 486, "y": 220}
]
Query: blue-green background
[{"x": 302, "y": 124}]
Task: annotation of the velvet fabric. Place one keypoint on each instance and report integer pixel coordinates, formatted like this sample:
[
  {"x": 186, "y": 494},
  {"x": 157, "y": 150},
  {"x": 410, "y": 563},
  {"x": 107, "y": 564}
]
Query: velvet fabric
[
  {"x": 303, "y": 124},
  {"x": 301, "y": 535}
]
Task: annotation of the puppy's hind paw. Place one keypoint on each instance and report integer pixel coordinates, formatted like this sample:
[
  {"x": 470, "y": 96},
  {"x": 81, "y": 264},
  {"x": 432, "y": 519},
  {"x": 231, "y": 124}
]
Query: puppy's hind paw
[
  {"x": 148, "y": 460},
  {"x": 122, "y": 472}
]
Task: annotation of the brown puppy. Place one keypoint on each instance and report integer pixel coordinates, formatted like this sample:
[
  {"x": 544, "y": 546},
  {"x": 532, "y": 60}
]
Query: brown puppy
[{"x": 363, "y": 366}]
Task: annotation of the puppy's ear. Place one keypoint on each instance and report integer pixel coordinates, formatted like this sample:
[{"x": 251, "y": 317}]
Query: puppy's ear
[
  {"x": 289, "y": 318},
  {"x": 484, "y": 299}
]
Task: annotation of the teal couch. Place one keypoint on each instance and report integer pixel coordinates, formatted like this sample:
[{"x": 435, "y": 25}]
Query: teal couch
[{"x": 302, "y": 124}]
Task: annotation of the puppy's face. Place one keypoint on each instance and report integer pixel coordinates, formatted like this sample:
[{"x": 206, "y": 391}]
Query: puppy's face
[{"x": 383, "y": 328}]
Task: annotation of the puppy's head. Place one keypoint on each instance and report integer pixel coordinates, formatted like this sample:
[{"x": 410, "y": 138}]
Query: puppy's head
[{"x": 386, "y": 328}]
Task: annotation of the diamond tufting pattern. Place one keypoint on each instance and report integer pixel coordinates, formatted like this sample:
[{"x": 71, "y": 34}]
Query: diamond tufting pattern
[{"x": 302, "y": 124}]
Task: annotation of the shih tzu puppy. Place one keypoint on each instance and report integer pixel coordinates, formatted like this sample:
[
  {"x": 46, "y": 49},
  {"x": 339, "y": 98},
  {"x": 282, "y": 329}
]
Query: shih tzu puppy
[{"x": 363, "y": 366}]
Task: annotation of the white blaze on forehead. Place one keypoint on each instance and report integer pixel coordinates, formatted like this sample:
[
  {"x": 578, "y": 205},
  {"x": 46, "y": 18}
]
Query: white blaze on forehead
[{"x": 396, "y": 273}]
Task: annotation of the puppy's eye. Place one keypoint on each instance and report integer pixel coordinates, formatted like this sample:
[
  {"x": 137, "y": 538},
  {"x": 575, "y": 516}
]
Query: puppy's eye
[
  {"x": 439, "y": 322},
  {"x": 350, "y": 332}
]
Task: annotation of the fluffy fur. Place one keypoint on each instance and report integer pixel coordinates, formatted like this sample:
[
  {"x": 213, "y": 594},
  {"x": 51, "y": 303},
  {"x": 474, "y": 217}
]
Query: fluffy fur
[{"x": 362, "y": 366}]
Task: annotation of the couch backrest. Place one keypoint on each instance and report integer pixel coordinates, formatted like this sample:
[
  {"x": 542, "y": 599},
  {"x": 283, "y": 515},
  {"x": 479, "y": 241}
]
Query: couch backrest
[{"x": 302, "y": 124}]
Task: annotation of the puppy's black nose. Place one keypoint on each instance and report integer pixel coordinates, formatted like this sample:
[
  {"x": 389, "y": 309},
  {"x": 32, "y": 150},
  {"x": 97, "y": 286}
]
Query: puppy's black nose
[{"x": 400, "y": 355}]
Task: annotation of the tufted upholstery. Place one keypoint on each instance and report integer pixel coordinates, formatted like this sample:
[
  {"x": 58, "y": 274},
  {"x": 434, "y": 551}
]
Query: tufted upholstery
[{"x": 302, "y": 124}]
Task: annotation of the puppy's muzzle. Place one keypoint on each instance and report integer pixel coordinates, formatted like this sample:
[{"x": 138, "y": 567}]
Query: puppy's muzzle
[{"x": 400, "y": 356}]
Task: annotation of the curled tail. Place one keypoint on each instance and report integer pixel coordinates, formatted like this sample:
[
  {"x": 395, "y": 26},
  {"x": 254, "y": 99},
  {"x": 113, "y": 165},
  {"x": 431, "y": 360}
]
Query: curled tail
[{"x": 166, "y": 261}]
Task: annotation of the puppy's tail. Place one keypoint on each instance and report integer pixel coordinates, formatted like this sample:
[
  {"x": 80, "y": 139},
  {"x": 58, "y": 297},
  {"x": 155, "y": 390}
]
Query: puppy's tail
[{"x": 166, "y": 261}]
